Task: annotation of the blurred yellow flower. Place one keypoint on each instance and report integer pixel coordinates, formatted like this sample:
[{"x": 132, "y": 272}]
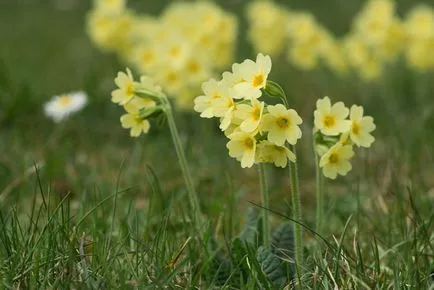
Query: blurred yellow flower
[
  {"x": 268, "y": 152},
  {"x": 110, "y": 5},
  {"x": 331, "y": 120},
  {"x": 267, "y": 26},
  {"x": 420, "y": 22},
  {"x": 336, "y": 160},
  {"x": 361, "y": 127},
  {"x": 282, "y": 125},
  {"x": 242, "y": 146},
  {"x": 184, "y": 46}
]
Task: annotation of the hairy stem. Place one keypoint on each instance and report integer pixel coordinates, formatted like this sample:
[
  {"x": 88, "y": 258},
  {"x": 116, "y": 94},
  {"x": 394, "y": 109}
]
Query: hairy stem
[
  {"x": 296, "y": 204},
  {"x": 265, "y": 204},
  {"x": 319, "y": 192},
  {"x": 191, "y": 190}
]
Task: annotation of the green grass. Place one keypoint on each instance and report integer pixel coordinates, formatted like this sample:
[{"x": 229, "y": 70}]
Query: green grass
[{"x": 106, "y": 211}]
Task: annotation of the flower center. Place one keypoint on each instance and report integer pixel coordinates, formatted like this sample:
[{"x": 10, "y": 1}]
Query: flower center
[
  {"x": 193, "y": 67},
  {"x": 147, "y": 57},
  {"x": 64, "y": 101},
  {"x": 175, "y": 51},
  {"x": 129, "y": 90},
  {"x": 256, "y": 113},
  {"x": 334, "y": 158},
  {"x": 355, "y": 129},
  {"x": 172, "y": 77},
  {"x": 329, "y": 121},
  {"x": 282, "y": 123},
  {"x": 258, "y": 80},
  {"x": 248, "y": 143},
  {"x": 215, "y": 96}
]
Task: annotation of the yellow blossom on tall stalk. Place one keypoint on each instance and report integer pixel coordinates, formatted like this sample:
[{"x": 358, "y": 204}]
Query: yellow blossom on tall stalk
[
  {"x": 333, "y": 139},
  {"x": 282, "y": 125},
  {"x": 250, "y": 114},
  {"x": 336, "y": 160},
  {"x": 242, "y": 146},
  {"x": 269, "y": 152},
  {"x": 126, "y": 88},
  {"x": 361, "y": 127},
  {"x": 258, "y": 133},
  {"x": 253, "y": 75},
  {"x": 336, "y": 130},
  {"x": 331, "y": 119},
  {"x": 235, "y": 99},
  {"x": 143, "y": 101},
  {"x": 132, "y": 120}
]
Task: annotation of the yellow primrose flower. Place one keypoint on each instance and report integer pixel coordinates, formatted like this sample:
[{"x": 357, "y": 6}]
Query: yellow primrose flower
[
  {"x": 126, "y": 88},
  {"x": 282, "y": 125},
  {"x": 233, "y": 127},
  {"x": 330, "y": 120},
  {"x": 254, "y": 75},
  {"x": 250, "y": 114},
  {"x": 361, "y": 127},
  {"x": 132, "y": 119},
  {"x": 242, "y": 146},
  {"x": 268, "y": 152},
  {"x": 203, "y": 104},
  {"x": 224, "y": 107},
  {"x": 336, "y": 160}
]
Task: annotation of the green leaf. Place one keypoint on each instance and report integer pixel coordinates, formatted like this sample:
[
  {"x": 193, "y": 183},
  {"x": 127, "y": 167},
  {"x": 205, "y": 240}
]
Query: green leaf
[
  {"x": 282, "y": 245},
  {"x": 250, "y": 232},
  {"x": 282, "y": 241},
  {"x": 272, "y": 267}
]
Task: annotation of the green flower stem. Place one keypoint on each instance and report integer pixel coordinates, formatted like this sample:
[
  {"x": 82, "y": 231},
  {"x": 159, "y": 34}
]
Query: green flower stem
[
  {"x": 265, "y": 204},
  {"x": 319, "y": 192},
  {"x": 191, "y": 190},
  {"x": 296, "y": 204}
]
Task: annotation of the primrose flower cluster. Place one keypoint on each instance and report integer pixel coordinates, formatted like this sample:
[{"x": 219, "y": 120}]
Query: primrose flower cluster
[
  {"x": 139, "y": 99},
  {"x": 184, "y": 46},
  {"x": 336, "y": 130},
  {"x": 378, "y": 37},
  {"x": 257, "y": 132}
]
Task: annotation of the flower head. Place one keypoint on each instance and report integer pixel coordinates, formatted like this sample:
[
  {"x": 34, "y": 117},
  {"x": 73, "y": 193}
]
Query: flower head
[
  {"x": 282, "y": 125},
  {"x": 331, "y": 120},
  {"x": 361, "y": 127},
  {"x": 254, "y": 76},
  {"x": 336, "y": 160},
  {"x": 213, "y": 90},
  {"x": 126, "y": 88},
  {"x": 62, "y": 106},
  {"x": 242, "y": 146},
  {"x": 268, "y": 152},
  {"x": 250, "y": 114},
  {"x": 132, "y": 120}
]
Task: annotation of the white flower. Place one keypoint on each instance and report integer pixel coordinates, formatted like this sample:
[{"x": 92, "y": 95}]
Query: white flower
[{"x": 61, "y": 106}]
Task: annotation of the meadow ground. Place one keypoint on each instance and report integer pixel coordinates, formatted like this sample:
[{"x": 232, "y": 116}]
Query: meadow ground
[{"x": 83, "y": 205}]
